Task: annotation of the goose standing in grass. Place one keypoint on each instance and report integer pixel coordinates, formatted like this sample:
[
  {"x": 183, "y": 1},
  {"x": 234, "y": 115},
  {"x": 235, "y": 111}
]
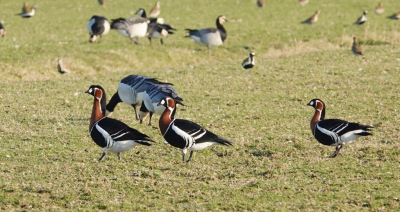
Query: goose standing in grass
[
  {"x": 260, "y": 3},
  {"x": 356, "y": 48},
  {"x": 379, "y": 9},
  {"x": 395, "y": 16},
  {"x": 26, "y": 11},
  {"x": 361, "y": 20},
  {"x": 249, "y": 62},
  {"x": 210, "y": 36},
  {"x": 153, "y": 96},
  {"x": 135, "y": 27},
  {"x": 313, "y": 19},
  {"x": 334, "y": 132},
  {"x": 130, "y": 90},
  {"x": 61, "y": 67},
  {"x": 110, "y": 134},
  {"x": 2, "y": 30},
  {"x": 97, "y": 27},
  {"x": 302, "y": 2},
  {"x": 155, "y": 11},
  {"x": 185, "y": 134},
  {"x": 156, "y": 28}
]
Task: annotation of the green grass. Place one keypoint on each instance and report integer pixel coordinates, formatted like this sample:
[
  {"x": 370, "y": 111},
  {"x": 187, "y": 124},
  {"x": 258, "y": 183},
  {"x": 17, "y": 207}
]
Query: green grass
[{"x": 48, "y": 159}]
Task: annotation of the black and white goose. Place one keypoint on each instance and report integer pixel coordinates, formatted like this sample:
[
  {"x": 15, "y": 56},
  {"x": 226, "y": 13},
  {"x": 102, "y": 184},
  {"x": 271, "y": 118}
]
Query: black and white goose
[
  {"x": 210, "y": 36},
  {"x": 153, "y": 96},
  {"x": 334, "y": 132},
  {"x": 97, "y": 27},
  {"x": 134, "y": 27},
  {"x": 185, "y": 134},
  {"x": 130, "y": 90},
  {"x": 26, "y": 11},
  {"x": 157, "y": 28},
  {"x": 249, "y": 62},
  {"x": 2, "y": 30},
  {"x": 361, "y": 20},
  {"x": 110, "y": 134}
]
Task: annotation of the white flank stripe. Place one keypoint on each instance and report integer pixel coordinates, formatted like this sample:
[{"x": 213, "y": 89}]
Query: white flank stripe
[
  {"x": 189, "y": 139},
  {"x": 199, "y": 136},
  {"x": 107, "y": 137},
  {"x": 338, "y": 131},
  {"x": 121, "y": 135},
  {"x": 333, "y": 135}
]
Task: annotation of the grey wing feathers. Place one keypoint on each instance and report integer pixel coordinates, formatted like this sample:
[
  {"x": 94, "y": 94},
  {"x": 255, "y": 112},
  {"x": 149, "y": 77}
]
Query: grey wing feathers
[{"x": 160, "y": 91}]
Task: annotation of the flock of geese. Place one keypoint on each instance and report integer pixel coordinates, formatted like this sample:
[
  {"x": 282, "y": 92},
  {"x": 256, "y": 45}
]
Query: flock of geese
[{"x": 155, "y": 97}]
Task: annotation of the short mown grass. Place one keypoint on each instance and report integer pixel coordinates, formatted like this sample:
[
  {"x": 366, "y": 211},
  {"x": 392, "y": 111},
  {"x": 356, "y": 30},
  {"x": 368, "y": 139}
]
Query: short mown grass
[{"x": 48, "y": 159}]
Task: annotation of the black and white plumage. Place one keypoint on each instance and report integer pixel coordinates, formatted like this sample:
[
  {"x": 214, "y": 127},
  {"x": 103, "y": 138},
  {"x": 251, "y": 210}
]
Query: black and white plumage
[
  {"x": 110, "y": 134},
  {"x": 134, "y": 27},
  {"x": 210, "y": 36},
  {"x": 2, "y": 30},
  {"x": 249, "y": 62},
  {"x": 153, "y": 96},
  {"x": 361, "y": 20},
  {"x": 130, "y": 91},
  {"x": 334, "y": 132},
  {"x": 185, "y": 134},
  {"x": 97, "y": 27},
  {"x": 26, "y": 11}
]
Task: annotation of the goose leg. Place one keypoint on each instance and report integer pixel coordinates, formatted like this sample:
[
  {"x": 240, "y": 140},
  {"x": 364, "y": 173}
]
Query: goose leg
[
  {"x": 119, "y": 155},
  {"x": 151, "y": 114},
  {"x": 183, "y": 156},
  {"x": 208, "y": 47},
  {"x": 137, "y": 41},
  {"x": 190, "y": 157},
  {"x": 102, "y": 156},
  {"x": 132, "y": 41},
  {"x": 162, "y": 42},
  {"x": 338, "y": 147},
  {"x": 136, "y": 115},
  {"x": 149, "y": 39}
]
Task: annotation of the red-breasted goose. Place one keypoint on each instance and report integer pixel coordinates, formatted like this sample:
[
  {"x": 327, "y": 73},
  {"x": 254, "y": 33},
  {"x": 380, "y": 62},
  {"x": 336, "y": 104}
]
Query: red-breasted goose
[
  {"x": 185, "y": 134},
  {"x": 362, "y": 19},
  {"x": 134, "y": 27},
  {"x": 26, "y": 11},
  {"x": 334, "y": 132},
  {"x": 153, "y": 96},
  {"x": 110, "y": 134},
  {"x": 313, "y": 19},
  {"x": 210, "y": 36},
  {"x": 101, "y": 2},
  {"x": 130, "y": 90},
  {"x": 260, "y": 3},
  {"x": 249, "y": 62},
  {"x": 97, "y": 27}
]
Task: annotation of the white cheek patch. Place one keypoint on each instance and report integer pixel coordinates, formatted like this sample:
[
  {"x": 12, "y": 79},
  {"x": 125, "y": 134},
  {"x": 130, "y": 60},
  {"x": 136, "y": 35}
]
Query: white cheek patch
[
  {"x": 162, "y": 102},
  {"x": 311, "y": 103},
  {"x": 90, "y": 90}
]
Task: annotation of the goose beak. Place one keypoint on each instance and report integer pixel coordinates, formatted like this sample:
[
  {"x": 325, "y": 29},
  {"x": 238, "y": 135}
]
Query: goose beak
[
  {"x": 308, "y": 104},
  {"x": 179, "y": 102},
  {"x": 87, "y": 91}
]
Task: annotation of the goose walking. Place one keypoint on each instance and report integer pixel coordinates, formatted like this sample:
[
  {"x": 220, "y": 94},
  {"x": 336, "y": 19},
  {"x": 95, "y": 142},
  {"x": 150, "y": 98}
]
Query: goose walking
[
  {"x": 356, "y": 48},
  {"x": 153, "y": 96},
  {"x": 130, "y": 90},
  {"x": 97, "y": 27},
  {"x": 210, "y": 36},
  {"x": 26, "y": 11},
  {"x": 2, "y": 30},
  {"x": 361, "y": 20},
  {"x": 313, "y": 19},
  {"x": 110, "y": 134},
  {"x": 135, "y": 27},
  {"x": 62, "y": 68},
  {"x": 155, "y": 11},
  {"x": 249, "y": 62},
  {"x": 185, "y": 134},
  {"x": 379, "y": 9},
  {"x": 334, "y": 132}
]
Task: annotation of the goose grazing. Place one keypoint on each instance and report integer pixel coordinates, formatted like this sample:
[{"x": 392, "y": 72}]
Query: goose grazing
[
  {"x": 260, "y": 3},
  {"x": 62, "y": 68},
  {"x": 249, "y": 62},
  {"x": 130, "y": 90},
  {"x": 185, "y": 134},
  {"x": 313, "y": 19},
  {"x": 395, "y": 16},
  {"x": 334, "y": 132},
  {"x": 379, "y": 9},
  {"x": 131, "y": 27},
  {"x": 153, "y": 96},
  {"x": 110, "y": 134},
  {"x": 210, "y": 36},
  {"x": 26, "y": 11},
  {"x": 361, "y": 20},
  {"x": 155, "y": 11},
  {"x": 356, "y": 48},
  {"x": 302, "y": 2},
  {"x": 2, "y": 30},
  {"x": 97, "y": 27}
]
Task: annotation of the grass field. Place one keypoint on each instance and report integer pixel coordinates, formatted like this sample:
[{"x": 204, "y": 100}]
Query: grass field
[{"x": 48, "y": 159}]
